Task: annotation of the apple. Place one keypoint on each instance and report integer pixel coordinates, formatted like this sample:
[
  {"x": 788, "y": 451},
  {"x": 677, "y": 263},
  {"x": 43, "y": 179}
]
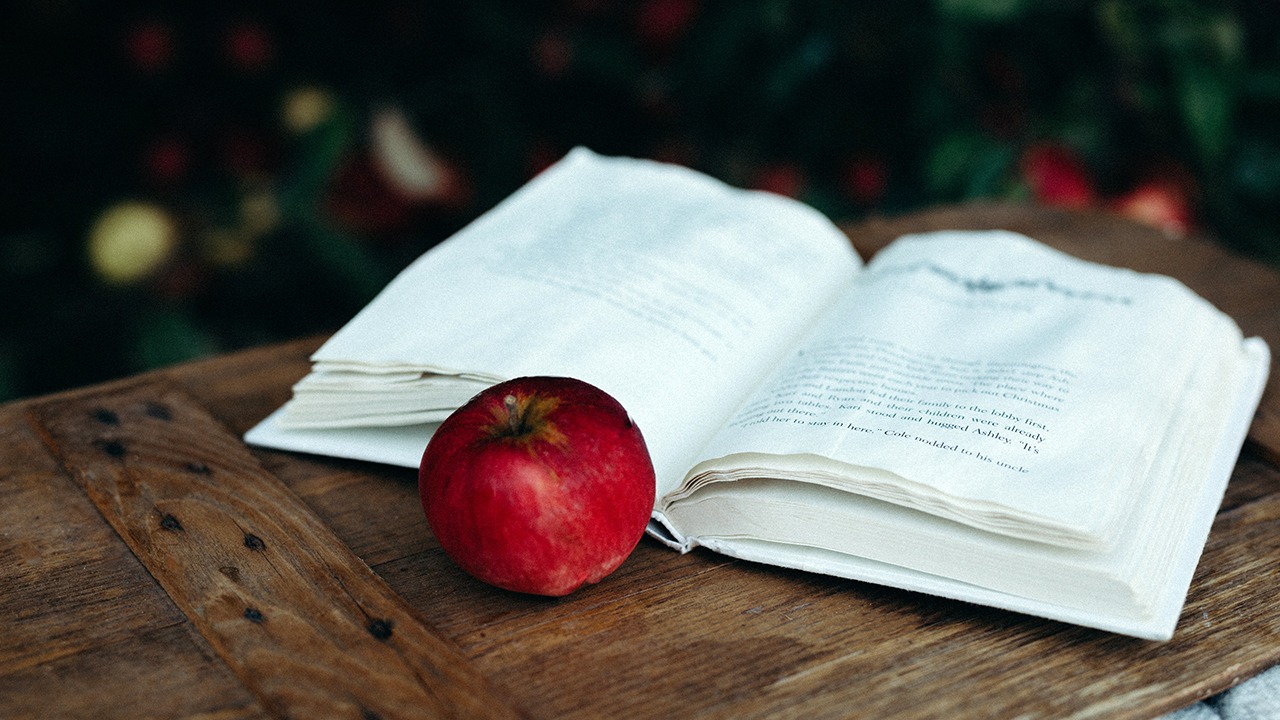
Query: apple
[{"x": 538, "y": 485}]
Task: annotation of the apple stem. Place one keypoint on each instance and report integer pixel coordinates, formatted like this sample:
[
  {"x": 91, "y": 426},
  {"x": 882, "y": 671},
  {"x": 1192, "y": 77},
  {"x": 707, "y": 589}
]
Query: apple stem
[{"x": 513, "y": 413}]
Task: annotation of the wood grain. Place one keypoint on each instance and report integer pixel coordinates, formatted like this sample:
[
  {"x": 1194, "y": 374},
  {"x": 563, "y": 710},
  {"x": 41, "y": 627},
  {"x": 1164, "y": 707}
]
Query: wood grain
[
  {"x": 302, "y": 622},
  {"x": 81, "y": 620},
  {"x": 727, "y": 639},
  {"x": 153, "y": 674}
]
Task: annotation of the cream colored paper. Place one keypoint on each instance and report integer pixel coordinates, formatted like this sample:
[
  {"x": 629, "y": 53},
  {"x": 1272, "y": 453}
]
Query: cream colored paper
[{"x": 669, "y": 290}]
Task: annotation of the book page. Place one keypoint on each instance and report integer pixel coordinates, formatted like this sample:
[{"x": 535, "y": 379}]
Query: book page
[
  {"x": 1137, "y": 587},
  {"x": 670, "y": 290},
  {"x": 985, "y": 378}
]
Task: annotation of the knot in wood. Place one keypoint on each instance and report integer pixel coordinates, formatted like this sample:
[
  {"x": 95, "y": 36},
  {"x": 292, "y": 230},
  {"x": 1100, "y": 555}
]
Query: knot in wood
[{"x": 380, "y": 629}]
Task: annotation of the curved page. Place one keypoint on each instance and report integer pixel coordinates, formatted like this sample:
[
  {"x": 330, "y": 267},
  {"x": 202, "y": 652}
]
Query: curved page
[
  {"x": 985, "y": 378},
  {"x": 666, "y": 288}
]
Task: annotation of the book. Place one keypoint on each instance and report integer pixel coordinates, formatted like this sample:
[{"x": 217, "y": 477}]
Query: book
[{"x": 972, "y": 415}]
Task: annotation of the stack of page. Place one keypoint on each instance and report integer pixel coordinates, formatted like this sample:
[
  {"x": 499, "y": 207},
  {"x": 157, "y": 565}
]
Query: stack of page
[{"x": 971, "y": 414}]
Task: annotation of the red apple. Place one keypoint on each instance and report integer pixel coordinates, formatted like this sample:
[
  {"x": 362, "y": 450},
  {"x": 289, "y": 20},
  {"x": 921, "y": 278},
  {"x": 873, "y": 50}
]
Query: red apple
[{"x": 538, "y": 485}]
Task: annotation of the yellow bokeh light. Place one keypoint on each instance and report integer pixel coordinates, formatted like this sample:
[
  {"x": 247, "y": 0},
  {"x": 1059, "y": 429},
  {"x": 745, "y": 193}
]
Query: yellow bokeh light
[
  {"x": 130, "y": 241},
  {"x": 305, "y": 108}
]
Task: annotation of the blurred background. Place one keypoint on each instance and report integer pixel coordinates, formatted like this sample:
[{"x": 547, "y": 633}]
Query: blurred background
[{"x": 182, "y": 180}]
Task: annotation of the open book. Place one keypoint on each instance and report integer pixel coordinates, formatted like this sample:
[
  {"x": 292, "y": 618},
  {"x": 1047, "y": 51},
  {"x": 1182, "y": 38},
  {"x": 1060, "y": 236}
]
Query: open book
[{"x": 971, "y": 414}]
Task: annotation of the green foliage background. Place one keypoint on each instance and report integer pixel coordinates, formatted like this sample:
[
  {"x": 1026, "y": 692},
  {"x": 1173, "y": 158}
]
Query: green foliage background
[{"x": 857, "y": 108}]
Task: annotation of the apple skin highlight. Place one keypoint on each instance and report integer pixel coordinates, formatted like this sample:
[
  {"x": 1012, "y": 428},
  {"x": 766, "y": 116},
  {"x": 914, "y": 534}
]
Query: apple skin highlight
[{"x": 538, "y": 485}]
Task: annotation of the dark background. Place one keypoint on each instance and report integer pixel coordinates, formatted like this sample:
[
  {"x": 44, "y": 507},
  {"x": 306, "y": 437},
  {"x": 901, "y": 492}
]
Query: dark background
[{"x": 186, "y": 180}]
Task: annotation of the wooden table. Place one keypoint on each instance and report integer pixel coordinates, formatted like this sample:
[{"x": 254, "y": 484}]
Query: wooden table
[{"x": 153, "y": 566}]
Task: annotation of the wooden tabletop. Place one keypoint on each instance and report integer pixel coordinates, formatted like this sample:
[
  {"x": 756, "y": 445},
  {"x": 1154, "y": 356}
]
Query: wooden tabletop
[{"x": 151, "y": 565}]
